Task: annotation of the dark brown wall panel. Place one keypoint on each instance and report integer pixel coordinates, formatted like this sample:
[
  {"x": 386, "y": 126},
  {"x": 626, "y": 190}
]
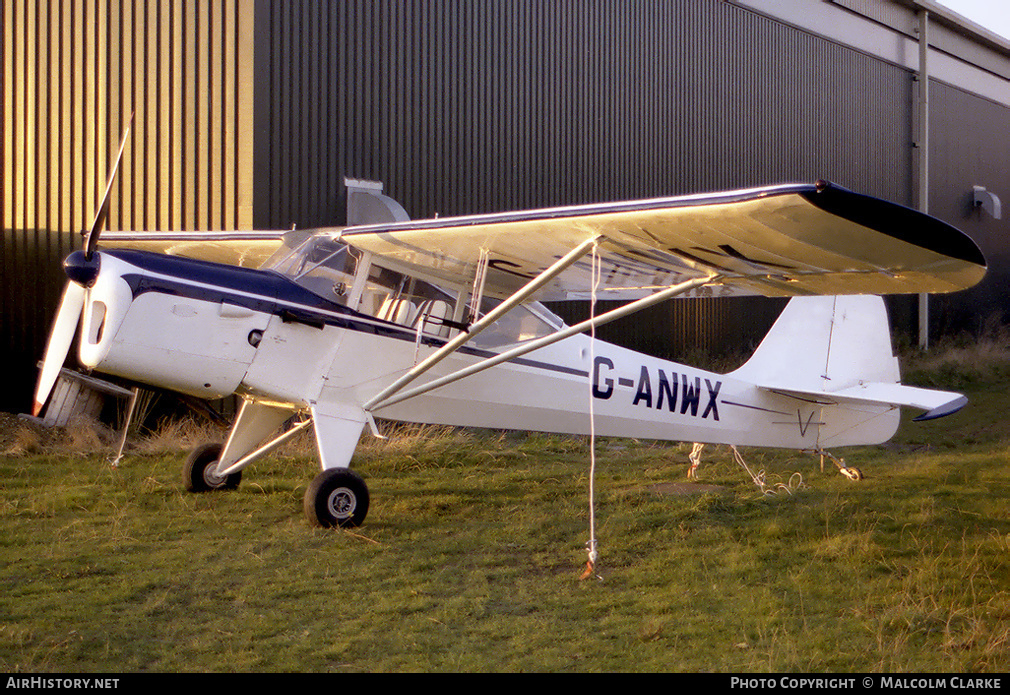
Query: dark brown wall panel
[
  {"x": 967, "y": 148},
  {"x": 506, "y": 104}
]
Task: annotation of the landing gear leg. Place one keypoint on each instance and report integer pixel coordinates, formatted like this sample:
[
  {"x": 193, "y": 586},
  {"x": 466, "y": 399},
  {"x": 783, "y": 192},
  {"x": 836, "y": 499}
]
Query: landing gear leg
[{"x": 849, "y": 472}]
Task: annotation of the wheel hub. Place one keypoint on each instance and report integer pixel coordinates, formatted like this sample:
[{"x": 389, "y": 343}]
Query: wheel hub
[
  {"x": 211, "y": 477},
  {"x": 342, "y": 502}
]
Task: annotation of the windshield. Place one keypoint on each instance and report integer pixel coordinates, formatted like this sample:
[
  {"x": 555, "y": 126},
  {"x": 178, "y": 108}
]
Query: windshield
[{"x": 317, "y": 262}]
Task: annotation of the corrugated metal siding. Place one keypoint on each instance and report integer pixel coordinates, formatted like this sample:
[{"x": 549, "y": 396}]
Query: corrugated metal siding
[
  {"x": 253, "y": 113},
  {"x": 466, "y": 107},
  {"x": 967, "y": 148},
  {"x": 72, "y": 72},
  {"x": 509, "y": 104}
]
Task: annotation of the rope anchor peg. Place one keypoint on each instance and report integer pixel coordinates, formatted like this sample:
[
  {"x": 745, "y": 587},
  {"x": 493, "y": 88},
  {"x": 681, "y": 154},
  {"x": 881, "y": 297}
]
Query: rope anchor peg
[
  {"x": 590, "y": 570},
  {"x": 695, "y": 458}
]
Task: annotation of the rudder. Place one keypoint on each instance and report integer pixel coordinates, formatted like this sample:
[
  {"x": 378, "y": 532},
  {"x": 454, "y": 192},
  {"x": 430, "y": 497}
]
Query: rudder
[{"x": 825, "y": 343}]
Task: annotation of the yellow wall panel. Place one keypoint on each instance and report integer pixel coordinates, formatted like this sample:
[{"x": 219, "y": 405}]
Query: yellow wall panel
[{"x": 71, "y": 74}]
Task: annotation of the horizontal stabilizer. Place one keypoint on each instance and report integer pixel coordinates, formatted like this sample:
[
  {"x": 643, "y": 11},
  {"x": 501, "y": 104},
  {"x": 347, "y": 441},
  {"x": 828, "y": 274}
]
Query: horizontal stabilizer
[
  {"x": 836, "y": 351},
  {"x": 935, "y": 403}
]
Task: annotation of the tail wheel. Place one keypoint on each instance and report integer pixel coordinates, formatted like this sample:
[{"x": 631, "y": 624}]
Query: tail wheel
[
  {"x": 199, "y": 472},
  {"x": 852, "y": 473},
  {"x": 337, "y": 497}
]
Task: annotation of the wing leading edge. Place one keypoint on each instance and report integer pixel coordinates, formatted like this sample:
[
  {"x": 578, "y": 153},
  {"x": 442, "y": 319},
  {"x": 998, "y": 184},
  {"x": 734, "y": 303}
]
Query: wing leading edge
[{"x": 787, "y": 240}]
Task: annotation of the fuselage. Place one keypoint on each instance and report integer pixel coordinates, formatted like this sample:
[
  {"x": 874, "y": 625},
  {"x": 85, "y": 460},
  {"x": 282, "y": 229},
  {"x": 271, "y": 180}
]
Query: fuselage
[{"x": 211, "y": 330}]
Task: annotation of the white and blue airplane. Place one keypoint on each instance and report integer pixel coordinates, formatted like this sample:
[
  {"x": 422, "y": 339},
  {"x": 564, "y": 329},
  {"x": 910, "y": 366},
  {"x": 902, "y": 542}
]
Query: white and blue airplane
[{"x": 440, "y": 321}]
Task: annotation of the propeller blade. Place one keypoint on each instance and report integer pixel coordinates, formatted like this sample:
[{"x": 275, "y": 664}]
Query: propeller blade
[
  {"x": 60, "y": 338},
  {"x": 91, "y": 236}
]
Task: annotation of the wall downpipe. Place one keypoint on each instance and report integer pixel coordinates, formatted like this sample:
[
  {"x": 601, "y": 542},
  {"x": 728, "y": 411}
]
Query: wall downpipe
[{"x": 923, "y": 151}]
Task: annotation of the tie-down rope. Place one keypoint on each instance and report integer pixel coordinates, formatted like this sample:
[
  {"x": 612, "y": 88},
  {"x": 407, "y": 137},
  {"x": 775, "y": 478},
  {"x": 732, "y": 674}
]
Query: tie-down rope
[
  {"x": 795, "y": 480},
  {"x": 591, "y": 545}
]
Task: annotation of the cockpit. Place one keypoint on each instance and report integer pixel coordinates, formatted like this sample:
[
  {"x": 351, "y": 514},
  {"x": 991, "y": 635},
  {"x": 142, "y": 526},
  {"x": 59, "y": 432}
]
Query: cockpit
[{"x": 329, "y": 268}]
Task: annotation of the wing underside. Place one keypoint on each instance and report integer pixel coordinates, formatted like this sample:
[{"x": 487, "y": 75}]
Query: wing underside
[
  {"x": 795, "y": 239},
  {"x": 247, "y": 249}
]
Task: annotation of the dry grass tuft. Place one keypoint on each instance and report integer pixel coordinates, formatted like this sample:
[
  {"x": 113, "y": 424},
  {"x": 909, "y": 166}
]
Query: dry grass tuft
[
  {"x": 399, "y": 437},
  {"x": 82, "y": 435},
  {"x": 20, "y": 437},
  {"x": 963, "y": 359},
  {"x": 86, "y": 434},
  {"x": 22, "y": 440},
  {"x": 176, "y": 435}
]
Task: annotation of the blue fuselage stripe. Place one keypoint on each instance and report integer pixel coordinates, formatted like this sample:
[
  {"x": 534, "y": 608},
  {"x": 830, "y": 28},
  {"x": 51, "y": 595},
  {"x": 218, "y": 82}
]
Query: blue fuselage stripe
[{"x": 268, "y": 292}]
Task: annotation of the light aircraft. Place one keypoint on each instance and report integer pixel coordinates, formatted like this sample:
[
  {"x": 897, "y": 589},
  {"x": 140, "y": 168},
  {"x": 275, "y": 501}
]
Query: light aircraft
[{"x": 440, "y": 321}]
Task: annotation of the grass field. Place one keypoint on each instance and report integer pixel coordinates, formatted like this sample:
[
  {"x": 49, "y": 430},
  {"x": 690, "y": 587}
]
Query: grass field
[{"x": 472, "y": 554}]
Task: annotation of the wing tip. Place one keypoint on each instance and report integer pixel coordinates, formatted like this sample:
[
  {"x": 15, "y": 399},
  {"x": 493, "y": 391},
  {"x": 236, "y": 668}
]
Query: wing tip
[
  {"x": 948, "y": 408},
  {"x": 896, "y": 220}
]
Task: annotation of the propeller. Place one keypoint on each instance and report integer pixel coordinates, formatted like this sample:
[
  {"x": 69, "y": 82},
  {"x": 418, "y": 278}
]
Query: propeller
[
  {"x": 61, "y": 335},
  {"x": 91, "y": 236},
  {"x": 81, "y": 268}
]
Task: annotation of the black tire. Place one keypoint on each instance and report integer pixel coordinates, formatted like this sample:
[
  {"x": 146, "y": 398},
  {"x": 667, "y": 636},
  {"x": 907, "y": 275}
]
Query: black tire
[
  {"x": 337, "y": 497},
  {"x": 197, "y": 472}
]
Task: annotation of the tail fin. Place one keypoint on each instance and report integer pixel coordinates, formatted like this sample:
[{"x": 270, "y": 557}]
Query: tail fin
[
  {"x": 839, "y": 349},
  {"x": 825, "y": 344}
]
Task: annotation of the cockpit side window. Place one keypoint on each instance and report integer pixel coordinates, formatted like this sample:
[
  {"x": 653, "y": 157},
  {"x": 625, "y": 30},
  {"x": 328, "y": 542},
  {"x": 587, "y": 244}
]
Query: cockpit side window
[
  {"x": 519, "y": 325},
  {"x": 399, "y": 298},
  {"x": 327, "y": 266}
]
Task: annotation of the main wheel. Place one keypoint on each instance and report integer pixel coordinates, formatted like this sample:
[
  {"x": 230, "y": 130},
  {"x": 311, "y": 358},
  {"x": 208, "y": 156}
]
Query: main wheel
[
  {"x": 337, "y": 497},
  {"x": 198, "y": 473}
]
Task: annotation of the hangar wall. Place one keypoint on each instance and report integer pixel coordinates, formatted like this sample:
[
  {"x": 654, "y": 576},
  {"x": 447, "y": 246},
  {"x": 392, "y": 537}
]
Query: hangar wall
[
  {"x": 969, "y": 147},
  {"x": 508, "y": 104},
  {"x": 251, "y": 113}
]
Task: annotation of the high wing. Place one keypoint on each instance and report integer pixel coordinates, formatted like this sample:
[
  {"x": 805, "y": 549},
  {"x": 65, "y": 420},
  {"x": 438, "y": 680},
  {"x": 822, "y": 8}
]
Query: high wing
[
  {"x": 248, "y": 249},
  {"x": 785, "y": 240}
]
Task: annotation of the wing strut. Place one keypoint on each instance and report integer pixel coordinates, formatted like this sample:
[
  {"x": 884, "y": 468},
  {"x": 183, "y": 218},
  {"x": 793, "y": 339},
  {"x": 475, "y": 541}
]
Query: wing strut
[
  {"x": 479, "y": 278},
  {"x": 520, "y": 296},
  {"x": 532, "y": 345}
]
